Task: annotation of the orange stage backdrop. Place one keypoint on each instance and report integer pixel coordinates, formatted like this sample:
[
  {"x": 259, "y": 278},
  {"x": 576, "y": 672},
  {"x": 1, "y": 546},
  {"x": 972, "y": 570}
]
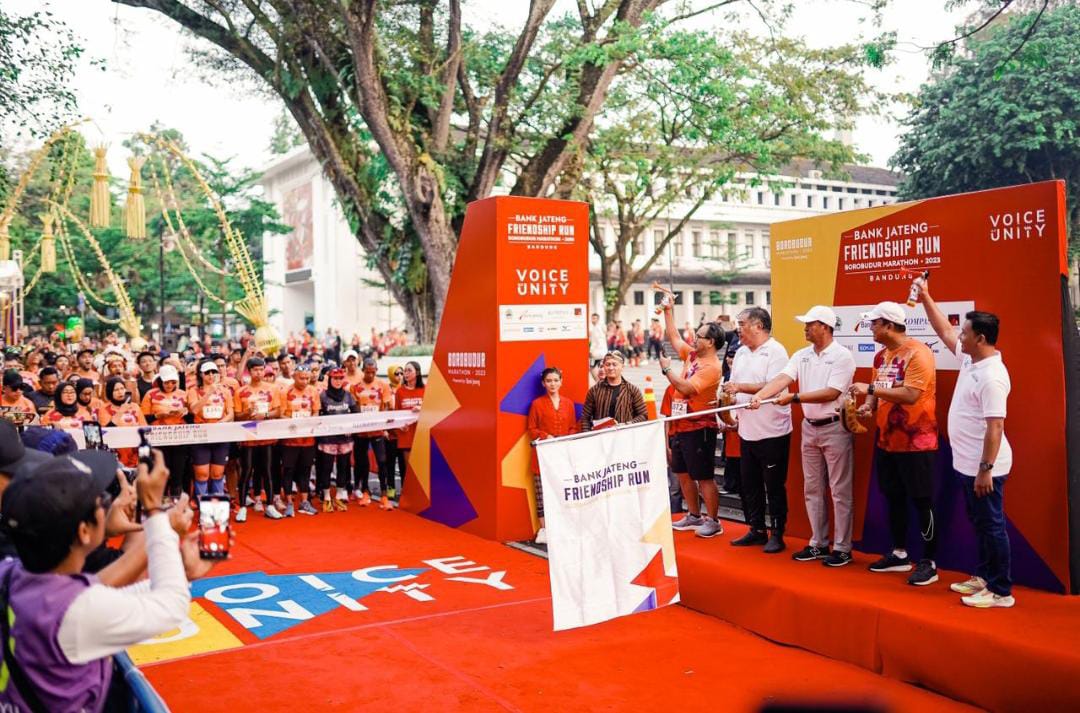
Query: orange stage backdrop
[
  {"x": 1002, "y": 251},
  {"x": 518, "y": 303}
]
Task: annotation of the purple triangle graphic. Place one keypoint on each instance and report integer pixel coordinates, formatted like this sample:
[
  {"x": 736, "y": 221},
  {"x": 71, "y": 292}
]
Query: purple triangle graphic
[
  {"x": 528, "y": 387},
  {"x": 648, "y": 605},
  {"x": 449, "y": 503}
]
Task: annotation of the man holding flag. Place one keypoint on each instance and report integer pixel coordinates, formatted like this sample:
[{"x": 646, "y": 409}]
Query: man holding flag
[{"x": 693, "y": 442}]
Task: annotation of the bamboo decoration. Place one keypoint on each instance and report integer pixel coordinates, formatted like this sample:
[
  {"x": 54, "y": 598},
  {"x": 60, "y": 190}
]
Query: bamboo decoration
[
  {"x": 5, "y": 238},
  {"x": 48, "y": 243},
  {"x": 99, "y": 194},
  {"x": 135, "y": 210}
]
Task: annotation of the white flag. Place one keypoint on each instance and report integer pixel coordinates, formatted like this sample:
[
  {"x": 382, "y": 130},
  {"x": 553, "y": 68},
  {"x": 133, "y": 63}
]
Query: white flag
[{"x": 611, "y": 551}]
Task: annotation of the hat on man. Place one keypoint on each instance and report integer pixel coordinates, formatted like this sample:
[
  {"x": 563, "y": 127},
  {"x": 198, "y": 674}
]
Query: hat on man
[
  {"x": 208, "y": 366},
  {"x": 889, "y": 311},
  {"x": 819, "y": 313},
  {"x": 349, "y": 354},
  {"x": 16, "y": 458},
  {"x": 168, "y": 372}
]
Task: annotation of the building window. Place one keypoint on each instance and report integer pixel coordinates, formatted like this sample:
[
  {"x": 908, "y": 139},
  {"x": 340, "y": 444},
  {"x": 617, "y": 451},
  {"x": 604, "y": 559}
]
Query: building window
[
  {"x": 761, "y": 198},
  {"x": 776, "y": 199},
  {"x": 869, "y": 204},
  {"x": 765, "y": 251},
  {"x": 768, "y": 297},
  {"x": 714, "y": 245},
  {"x": 639, "y": 244},
  {"x": 733, "y": 298},
  {"x": 839, "y": 203},
  {"x": 748, "y": 251},
  {"x": 794, "y": 200},
  {"x": 810, "y": 201},
  {"x": 715, "y": 298},
  {"x": 699, "y": 297},
  {"x": 639, "y": 297},
  {"x": 825, "y": 202},
  {"x": 699, "y": 248},
  {"x": 732, "y": 249},
  {"x": 749, "y": 298},
  {"x": 678, "y": 245},
  {"x": 657, "y": 297},
  {"x": 658, "y": 237}
]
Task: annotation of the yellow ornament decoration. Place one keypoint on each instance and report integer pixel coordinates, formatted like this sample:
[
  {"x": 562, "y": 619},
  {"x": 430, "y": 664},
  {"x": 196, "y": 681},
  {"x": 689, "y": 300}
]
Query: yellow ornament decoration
[
  {"x": 135, "y": 210},
  {"x": 99, "y": 193},
  {"x": 48, "y": 243},
  {"x": 5, "y": 238}
]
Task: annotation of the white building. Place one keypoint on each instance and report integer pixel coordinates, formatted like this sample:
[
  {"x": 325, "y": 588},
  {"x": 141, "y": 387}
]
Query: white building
[
  {"x": 719, "y": 263},
  {"x": 316, "y": 277},
  {"x": 322, "y": 250}
]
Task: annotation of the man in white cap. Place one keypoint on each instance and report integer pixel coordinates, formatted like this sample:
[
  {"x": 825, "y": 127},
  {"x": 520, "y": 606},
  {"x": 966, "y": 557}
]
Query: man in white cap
[
  {"x": 350, "y": 359},
  {"x": 824, "y": 371},
  {"x": 903, "y": 395}
]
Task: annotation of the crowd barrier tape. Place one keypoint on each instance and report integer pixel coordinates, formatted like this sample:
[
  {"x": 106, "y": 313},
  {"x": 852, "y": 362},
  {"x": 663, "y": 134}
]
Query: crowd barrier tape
[{"x": 240, "y": 431}]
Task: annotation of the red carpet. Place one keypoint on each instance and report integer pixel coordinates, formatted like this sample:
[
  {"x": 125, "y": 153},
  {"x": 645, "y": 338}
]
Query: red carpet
[
  {"x": 475, "y": 647},
  {"x": 1022, "y": 659}
]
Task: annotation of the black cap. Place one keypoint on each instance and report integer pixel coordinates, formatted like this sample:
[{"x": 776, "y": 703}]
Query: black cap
[
  {"x": 59, "y": 490},
  {"x": 256, "y": 361},
  {"x": 13, "y": 379},
  {"x": 15, "y": 458}
]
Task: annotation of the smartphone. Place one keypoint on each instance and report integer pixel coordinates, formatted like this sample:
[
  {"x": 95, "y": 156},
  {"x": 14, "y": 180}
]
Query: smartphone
[
  {"x": 91, "y": 431},
  {"x": 146, "y": 455},
  {"x": 214, "y": 511}
]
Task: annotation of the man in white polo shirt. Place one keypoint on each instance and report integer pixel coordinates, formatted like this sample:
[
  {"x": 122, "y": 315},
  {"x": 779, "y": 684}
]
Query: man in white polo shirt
[
  {"x": 982, "y": 457},
  {"x": 824, "y": 371},
  {"x": 765, "y": 434}
]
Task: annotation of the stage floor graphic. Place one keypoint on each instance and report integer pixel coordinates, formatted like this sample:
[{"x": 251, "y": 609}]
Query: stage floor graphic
[{"x": 375, "y": 610}]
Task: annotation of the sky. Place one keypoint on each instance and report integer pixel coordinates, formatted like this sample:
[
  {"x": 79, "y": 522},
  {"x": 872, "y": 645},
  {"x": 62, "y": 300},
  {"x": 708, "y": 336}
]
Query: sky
[{"x": 148, "y": 76}]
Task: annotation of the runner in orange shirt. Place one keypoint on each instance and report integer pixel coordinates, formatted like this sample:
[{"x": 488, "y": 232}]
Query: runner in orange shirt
[
  {"x": 166, "y": 404},
  {"x": 408, "y": 397},
  {"x": 297, "y": 454},
  {"x": 257, "y": 401},
  {"x": 118, "y": 410},
  {"x": 211, "y": 402},
  {"x": 372, "y": 395},
  {"x": 66, "y": 412}
]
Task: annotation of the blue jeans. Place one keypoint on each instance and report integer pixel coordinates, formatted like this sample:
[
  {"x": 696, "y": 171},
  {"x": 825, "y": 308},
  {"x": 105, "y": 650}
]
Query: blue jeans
[{"x": 987, "y": 515}]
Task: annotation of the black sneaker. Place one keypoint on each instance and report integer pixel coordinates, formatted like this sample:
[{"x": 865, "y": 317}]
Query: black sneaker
[
  {"x": 925, "y": 573},
  {"x": 892, "y": 563},
  {"x": 810, "y": 553},
  {"x": 837, "y": 559},
  {"x": 752, "y": 537},
  {"x": 775, "y": 544}
]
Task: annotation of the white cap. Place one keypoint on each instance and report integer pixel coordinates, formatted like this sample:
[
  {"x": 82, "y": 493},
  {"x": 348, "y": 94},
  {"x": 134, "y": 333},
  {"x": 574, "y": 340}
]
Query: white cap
[
  {"x": 819, "y": 313},
  {"x": 207, "y": 366},
  {"x": 350, "y": 354},
  {"x": 889, "y": 311},
  {"x": 169, "y": 373}
]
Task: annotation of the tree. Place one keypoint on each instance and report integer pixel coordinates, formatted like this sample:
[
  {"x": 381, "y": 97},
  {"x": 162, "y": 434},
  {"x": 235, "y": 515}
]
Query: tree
[
  {"x": 286, "y": 135},
  {"x": 999, "y": 117},
  {"x": 695, "y": 112},
  {"x": 38, "y": 57},
  {"x": 414, "y": 115}
]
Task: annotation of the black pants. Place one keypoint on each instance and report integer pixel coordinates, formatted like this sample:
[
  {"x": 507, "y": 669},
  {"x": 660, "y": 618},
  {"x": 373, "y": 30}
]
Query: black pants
[
  {"x": 296, "y": 462},
  {"x": 905, "y": 477},
  {"x": 764, "y": 473},
  {"x": 732, "y": 475},
  {"x": 324, "y": 463},
  {"x": 657, "y": 346},
  {"x": 254, "y": 472},
  {"x": 361, "y": 470},
  {"x": 276, "y": 471},
  {"x": 176, "y": 460},
  {"x": 395, "y": 463}
]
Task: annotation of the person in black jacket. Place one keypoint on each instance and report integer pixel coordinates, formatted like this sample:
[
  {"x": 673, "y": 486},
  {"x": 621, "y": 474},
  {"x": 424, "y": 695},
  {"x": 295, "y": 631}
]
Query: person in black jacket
[{"x": 334, "y": 451}]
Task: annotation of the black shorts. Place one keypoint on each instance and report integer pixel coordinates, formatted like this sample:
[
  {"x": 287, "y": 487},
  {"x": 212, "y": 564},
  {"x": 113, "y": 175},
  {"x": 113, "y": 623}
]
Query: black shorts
[
  {"x": 910, "y": 474},
  {"x": 210, "y": 453},
  {"x": 694, "y": 452}
]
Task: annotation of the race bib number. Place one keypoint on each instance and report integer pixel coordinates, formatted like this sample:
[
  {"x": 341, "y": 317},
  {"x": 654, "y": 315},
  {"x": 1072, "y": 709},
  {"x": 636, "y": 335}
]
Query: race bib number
[
  {"x": 678, "y": 407},
  {"x": 261, "y": 407},
  {"x": 213, "y": 411},
  {"x": 128, "y": 418},
  {"x": 301, "y": 413},
  {"x": 369, "y": 408}
]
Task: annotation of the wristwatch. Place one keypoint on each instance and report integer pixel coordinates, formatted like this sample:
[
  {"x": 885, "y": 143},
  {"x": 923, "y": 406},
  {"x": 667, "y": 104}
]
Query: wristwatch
[
  {"x": 870, "y": 390},
  {"x": 985, "y": 466},
  {"x": 795, "y": 398},
  {"x": 665, "y": 370}
]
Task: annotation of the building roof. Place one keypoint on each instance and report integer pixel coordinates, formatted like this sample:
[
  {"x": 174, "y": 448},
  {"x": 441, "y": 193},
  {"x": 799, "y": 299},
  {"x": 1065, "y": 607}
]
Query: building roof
[{"x": 801, "y": 168}]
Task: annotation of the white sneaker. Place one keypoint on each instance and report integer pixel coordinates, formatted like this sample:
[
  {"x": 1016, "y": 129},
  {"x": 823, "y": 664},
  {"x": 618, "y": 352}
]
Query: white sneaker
[
  {"x": 249, "y": 501},
  {"x": 241, "y": 514},
  {"x": 358, "y": 493},
  {"x": 541, "y": 537},
  {"x": 987, "y": 600},
  {"x": 273, "y": 513},
  {"x": 971, "y": 586},
  {"x": 259, "y": 507}
]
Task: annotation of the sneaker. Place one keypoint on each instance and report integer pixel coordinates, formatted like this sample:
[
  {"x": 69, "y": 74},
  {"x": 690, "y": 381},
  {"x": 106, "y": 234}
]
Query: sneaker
[
  {"x": 541, "y": 537},
  {"x": 358, "y": 494},
  {"x": 290, "y": 511},
  {"x": 892, "y": 563},
  {"x": 775, "y": 544},
  {"x": 279, "y": 504},
  {"x": 306, "y": 508},
  {"x": 340, "y": 505},
  {"x": 810, "y": 553},
  {"x": 391, "y": 492},
  {"x": 837, "y": 559},
  {"x": 925, "y": 573},
  {"x": 249, "y": 501},
  {"x": 328, "y": 505},
  {"x": 365, "y": 499},
  {"x": 972, "y": 586},
  {"x": 987, "y": 600},
  {"x": 752, "y": 537},
  {"x": 241, "y": 514},
  {"x": 710, "y": 528},
  {"x": 689, "y": 521},
  {"x": 273, "y": 513},
  {"x": 259, "y": 506},
  {"x": 385, "y": 504}
]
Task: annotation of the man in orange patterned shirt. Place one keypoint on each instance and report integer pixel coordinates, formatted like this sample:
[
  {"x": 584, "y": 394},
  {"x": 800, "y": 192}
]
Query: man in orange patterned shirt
[
  {"x": 372, "y": 395},
  {"x": 904, "y": 396}
]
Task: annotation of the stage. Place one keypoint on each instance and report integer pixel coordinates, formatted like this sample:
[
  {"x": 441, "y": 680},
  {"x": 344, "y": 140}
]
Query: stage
[
  {"x": 467, "y": 627},
  {"x": 1022, "y": 659}
]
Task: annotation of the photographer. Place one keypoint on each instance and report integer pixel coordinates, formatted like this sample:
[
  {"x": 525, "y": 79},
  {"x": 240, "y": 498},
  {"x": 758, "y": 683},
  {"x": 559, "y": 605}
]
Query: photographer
[{"x": 63, "y": 626}]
